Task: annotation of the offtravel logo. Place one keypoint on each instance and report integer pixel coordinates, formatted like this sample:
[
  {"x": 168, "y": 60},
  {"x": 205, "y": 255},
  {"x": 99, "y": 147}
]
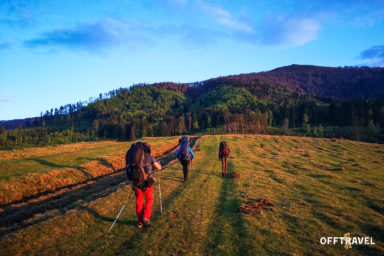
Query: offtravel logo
[{"x": 347, "y": 240}]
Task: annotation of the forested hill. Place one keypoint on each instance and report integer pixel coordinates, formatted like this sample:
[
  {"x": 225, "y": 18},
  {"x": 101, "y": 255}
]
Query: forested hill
[
  {"x": 316, "y": 101},
  {"x": 343, "y": 83}
]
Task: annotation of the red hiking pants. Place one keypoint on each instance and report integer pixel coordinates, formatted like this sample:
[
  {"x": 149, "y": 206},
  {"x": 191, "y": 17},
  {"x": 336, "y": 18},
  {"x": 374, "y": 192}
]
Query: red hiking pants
[{"x": 143, "y": 210}]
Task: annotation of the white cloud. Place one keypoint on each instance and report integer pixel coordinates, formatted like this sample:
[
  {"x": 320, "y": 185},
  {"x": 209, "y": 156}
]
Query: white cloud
[
  {"x": 289, "y": 31},
  {"x": 274, "y": 30},
  {"x": 224, "y": 17}
]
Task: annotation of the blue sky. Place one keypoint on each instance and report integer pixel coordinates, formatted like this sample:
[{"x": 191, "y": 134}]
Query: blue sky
[{"x": 57, "y": 52}]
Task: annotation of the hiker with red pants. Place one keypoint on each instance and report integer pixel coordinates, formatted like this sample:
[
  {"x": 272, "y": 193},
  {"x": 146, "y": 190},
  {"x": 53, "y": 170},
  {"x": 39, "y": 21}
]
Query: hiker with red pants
[
  {"x": 224, "y": 153},
  {"x": 185, "y": 155},
  {"x": 139, "y": 163}
]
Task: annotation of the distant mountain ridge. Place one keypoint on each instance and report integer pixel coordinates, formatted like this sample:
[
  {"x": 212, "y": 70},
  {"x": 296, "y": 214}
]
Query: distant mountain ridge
[
  {"x": 281, "y": 84},
  {"x": 342, "y": 83},
  {"x": 297, "y": 99}
]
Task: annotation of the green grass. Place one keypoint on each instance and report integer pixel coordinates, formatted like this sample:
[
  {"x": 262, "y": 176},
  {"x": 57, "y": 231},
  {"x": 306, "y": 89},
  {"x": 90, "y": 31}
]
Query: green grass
[
  {"x": 319, "y": 187},
  {"x": 44, "y": 159},
  {"x": 25, "y": 173}
]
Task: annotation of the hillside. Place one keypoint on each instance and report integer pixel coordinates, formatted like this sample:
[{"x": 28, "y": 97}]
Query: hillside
[
  {"x": 316, "y": 188},
  {"x": 342, "y": 83},
  {"x": 293, "y": 100}
]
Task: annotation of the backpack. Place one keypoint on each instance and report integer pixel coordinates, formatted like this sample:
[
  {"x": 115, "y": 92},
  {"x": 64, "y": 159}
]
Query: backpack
[
  {"x": 184, "y": 148},
  {"x": 136, "y": 160},
  {"x": 224, "y": 150}
]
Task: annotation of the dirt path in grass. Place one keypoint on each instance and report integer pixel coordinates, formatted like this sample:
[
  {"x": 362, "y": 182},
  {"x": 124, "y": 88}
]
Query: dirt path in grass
[
  {"x": 295, "y": 175},
  {"x": 199, "y": 217},
  {"x": 34, "y": 210}
]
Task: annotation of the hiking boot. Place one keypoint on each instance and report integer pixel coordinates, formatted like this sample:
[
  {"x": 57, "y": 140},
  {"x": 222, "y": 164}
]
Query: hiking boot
[
  {"x": 146, "y": 222},
  {"x": 140, "y": 225}
]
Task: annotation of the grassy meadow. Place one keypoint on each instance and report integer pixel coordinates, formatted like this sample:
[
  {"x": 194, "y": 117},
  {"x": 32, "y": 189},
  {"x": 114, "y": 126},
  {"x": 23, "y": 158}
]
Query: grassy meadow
[
  {"x": 318, "y": 188},
  {"x": 25, "y": 173}
]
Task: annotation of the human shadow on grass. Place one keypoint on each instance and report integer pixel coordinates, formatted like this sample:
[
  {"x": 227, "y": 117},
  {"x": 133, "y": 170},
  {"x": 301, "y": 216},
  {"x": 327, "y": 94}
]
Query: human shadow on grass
[
  {"x": 165, "y": 158},
  {"x": 54, "y": 165},
  {"x": 14, "y": 218},
  {"x": 167, "y": 204},
  {"x": 176, "y": 179},
  {"x": 136, "y": 239},
  {"x": 109, "y": 219},
  {"x": 101, "y": 160},
  {"x": 216, "y": 173},
  {"x": 227, "y": 230},
  {"x": 47, "y": 192}
]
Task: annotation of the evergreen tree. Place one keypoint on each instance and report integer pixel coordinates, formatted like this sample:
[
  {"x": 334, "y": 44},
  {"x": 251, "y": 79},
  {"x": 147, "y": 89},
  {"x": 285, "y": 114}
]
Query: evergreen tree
[
  {"x": 285, "y": 124},
  {"x": 321, "y": 131},
  {"x": 305, "y": 119},
  {"x": 308, "y": 130},
  {"x": 195, "y": 125},
  {"x": 372, "y": 129}
]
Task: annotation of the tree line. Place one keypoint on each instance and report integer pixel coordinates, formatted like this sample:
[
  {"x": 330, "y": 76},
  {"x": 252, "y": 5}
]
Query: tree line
[{"x": 217, "y": 106}]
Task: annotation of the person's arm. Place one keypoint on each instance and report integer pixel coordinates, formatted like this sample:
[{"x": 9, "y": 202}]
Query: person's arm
[
  {"x": 155, "y": 163},
  {"x": 178, "y": 153},
  {"x": 126, "y": 160},
  {"x": 191, "y": 152}
]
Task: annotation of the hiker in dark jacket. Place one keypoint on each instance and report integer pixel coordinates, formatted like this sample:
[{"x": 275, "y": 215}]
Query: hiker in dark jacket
[
  {"x": 185, "y": 155},
  {"x": 224, "y": 153},
  {"x": 143, "y": 210}
]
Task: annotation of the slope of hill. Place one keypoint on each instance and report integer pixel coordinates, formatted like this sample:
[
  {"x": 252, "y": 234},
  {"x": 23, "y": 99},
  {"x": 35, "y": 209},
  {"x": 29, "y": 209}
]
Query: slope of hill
[
  {"x": 279, "y": 101},
  {"x": 343, "y": 83}
]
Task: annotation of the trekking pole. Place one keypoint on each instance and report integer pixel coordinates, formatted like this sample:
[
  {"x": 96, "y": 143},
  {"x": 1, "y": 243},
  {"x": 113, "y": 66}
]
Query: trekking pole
[
  {"x": 118, "y": 215},
  {"x": 161, "y": 203}
]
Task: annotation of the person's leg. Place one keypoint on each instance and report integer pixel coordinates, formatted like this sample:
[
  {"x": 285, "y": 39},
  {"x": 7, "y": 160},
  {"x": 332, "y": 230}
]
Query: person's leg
[
  {"x": 139, "y": 205},
  {"x": 148, "y": 193},
  {"x": 225, "y": 164},
  {"x": 185, "y": 164},
  {"x": 222, "y": 167}
]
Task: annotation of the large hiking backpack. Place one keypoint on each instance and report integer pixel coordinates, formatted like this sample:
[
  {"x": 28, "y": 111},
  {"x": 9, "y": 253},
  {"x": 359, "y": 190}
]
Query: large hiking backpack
[
  {"x": 184, "y": 148},
  {"x": 224, "y": 150},
  {"x": 136, "y": 159}
]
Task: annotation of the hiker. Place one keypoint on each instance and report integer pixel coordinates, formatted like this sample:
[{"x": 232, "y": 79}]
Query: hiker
[
  {"x": 185, "y": 155},
  {"x": 224, "y": 153},
  {"x": 139, "y": 163}
]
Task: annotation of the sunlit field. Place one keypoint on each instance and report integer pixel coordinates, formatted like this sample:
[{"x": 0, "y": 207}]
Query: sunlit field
[{"x": 62, "y": 200}]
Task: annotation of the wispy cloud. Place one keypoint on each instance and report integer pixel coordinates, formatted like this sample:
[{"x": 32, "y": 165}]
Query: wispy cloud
[
  {"x": 191, "y": 36},
  {"x": 109, "y": 33},
  {"x": 3, "y": 100},
  {"x": 369, "y": 19},
  {"x": 294, "y": 31},
  {"x": 272, "y": 31},
  {"x": 224, "y": 17},
  {"x": 374, "y": 55},
  {"x": 90, "y": 36}
]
